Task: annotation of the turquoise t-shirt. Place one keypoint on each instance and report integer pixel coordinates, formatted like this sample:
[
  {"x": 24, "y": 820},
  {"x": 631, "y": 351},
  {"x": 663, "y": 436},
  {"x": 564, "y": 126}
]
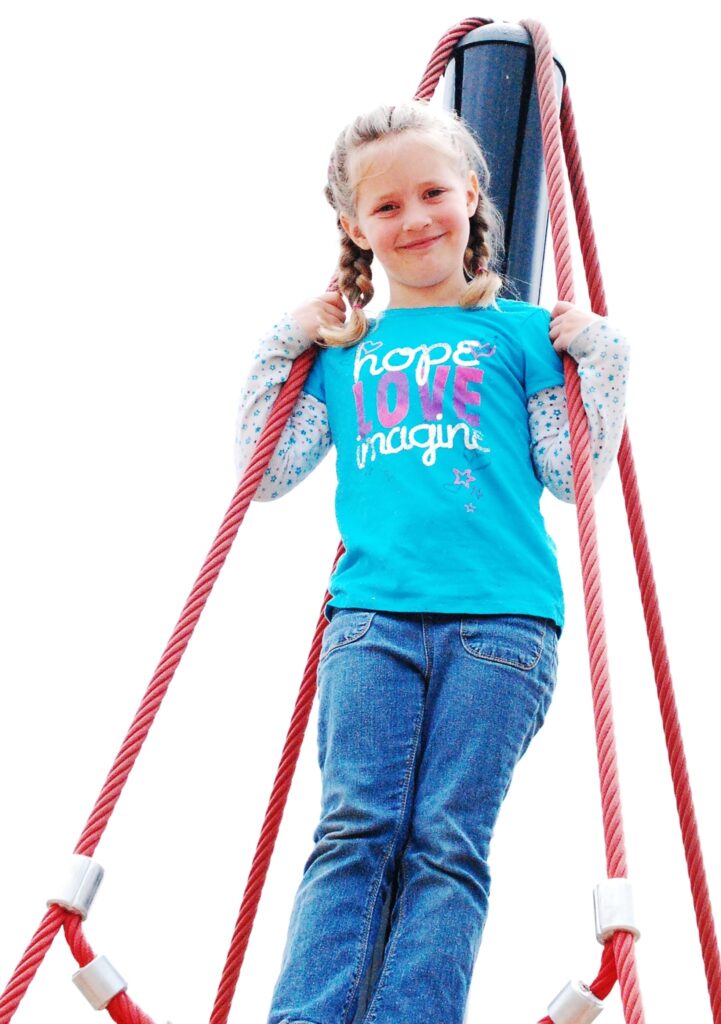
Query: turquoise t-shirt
[{"x": 437, "y": 502}]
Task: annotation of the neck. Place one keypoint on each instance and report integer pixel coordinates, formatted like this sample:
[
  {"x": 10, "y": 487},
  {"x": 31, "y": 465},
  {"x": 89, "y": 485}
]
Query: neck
[{"x": 446, "y": 293}]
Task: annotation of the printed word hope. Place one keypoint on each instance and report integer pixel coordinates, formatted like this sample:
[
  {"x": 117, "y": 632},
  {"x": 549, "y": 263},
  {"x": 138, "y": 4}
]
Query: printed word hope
[{"x": 465, "y": 353}]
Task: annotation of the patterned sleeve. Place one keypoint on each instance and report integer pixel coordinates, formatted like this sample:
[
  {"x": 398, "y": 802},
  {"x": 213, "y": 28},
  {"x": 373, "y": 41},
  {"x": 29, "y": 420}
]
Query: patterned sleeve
[
  {"x": 602, "y": 354},
  {"x": 305, "y": 438}
]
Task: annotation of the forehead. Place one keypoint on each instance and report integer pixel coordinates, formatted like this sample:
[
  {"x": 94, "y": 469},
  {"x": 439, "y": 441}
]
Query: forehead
[{"x": 397, "y": 160}]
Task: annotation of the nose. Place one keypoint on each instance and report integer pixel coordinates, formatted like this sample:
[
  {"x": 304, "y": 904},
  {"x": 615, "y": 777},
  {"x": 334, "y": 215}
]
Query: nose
[{"x": 416, "y": 217}]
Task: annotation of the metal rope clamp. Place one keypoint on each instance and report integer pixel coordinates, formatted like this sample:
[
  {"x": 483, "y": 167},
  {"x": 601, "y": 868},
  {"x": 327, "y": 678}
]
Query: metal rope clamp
[
  {"x": 613, "y": 909},
  {"x": 575, "y": 1004},
  {"x": 77, "y": 889},
  {"x": 98, "y": 981}
]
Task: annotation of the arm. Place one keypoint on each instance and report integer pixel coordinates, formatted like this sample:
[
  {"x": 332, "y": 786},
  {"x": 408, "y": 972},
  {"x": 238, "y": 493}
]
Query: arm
[
  {"x": 602, "y": 354},
  {"x": 305, "y": 438}
]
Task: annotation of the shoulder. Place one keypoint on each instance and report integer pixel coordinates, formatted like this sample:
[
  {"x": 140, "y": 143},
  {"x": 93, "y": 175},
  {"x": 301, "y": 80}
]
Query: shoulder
[
  {"x": 520, "y": 312},
  {"x": 527, "y": 324},
  {"x": 515, "y": 317}
]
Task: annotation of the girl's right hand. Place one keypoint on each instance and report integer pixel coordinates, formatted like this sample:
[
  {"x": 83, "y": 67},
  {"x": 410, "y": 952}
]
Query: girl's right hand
[{"x": 326, "y": 311}]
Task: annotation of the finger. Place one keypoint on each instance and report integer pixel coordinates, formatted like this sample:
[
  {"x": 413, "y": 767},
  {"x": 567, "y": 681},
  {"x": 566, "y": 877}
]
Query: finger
[{"x": 333, "y": 313}]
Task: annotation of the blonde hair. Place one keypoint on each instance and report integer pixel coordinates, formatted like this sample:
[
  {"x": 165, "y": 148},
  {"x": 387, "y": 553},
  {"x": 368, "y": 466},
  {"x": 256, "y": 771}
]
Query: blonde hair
[{"x": 451, "y": 135}]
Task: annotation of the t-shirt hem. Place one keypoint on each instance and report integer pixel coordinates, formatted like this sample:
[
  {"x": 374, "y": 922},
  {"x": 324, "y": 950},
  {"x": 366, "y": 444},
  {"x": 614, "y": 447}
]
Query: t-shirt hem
[
  {"x": 550, "y": 382},
  {"x": 457, "y": 607}
]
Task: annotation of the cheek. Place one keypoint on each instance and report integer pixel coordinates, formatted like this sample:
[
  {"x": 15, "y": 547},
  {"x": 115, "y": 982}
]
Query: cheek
[
  {"x": 464, "y": 227},
  {"x": 384, "y": 238}
]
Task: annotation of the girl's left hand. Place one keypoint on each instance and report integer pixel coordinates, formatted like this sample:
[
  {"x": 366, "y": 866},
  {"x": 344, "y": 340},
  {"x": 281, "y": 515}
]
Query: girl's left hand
[{"x": 566, "y": 321}]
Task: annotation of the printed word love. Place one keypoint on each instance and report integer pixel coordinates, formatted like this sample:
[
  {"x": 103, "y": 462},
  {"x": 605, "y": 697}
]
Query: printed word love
[{"x": 418, "y": 386}]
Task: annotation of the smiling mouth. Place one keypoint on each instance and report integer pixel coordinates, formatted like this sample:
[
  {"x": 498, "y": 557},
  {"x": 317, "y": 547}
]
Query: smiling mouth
[{"x": 423, "y": 243}]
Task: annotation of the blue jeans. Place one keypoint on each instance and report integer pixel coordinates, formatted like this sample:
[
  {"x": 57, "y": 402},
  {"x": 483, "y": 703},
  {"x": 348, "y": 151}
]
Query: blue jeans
[{"x": 421, "y": 721}]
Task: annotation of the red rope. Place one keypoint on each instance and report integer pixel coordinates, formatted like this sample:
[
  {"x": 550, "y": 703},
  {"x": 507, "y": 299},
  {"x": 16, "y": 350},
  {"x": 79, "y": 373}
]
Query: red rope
[
  {"x": 649, "y": 598},
  {"x": 672, "y": 730},
  {"x": 443, "y": 53},
  {"x": 271, "y": 825},
  {"x": 618, "y": 955},
  {"x": 122, "y": 1009},
  {"x": 623, "y": 942}
]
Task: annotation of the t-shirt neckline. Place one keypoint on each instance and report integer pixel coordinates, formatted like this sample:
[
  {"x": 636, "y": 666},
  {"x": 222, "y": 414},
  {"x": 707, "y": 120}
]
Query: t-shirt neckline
[{"x": 417, "y": 309}]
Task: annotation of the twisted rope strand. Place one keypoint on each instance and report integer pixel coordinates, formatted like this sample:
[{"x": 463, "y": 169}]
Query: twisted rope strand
[
  {"x": 649, "y": 598},
  {"x": 583, "y": 487},
  {"x": 127, "y": 1012},
  {"x": 672, "y": 729}
]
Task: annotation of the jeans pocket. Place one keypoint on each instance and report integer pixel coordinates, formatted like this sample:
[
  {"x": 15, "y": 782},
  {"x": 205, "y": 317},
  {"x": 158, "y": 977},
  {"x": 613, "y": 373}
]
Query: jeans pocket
[
  {"x": 345, "y": 627},
  {"x": 513, "y": 640}
]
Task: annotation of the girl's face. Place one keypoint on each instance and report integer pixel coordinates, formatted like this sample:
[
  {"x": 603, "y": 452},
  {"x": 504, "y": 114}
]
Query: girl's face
[{"x": 413, "y": 207}]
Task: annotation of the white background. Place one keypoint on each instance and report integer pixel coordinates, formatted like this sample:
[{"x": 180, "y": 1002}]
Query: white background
[{"x": 161, "y": 198}]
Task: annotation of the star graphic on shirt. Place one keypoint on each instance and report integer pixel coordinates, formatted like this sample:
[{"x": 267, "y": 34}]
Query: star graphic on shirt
[
  {"x": 463, "y": 476},
  {"x": 470, "y": 507}
]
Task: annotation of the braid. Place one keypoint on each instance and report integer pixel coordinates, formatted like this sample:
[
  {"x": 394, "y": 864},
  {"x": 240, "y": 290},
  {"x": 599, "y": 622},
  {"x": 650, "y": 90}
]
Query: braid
[
  {"x": 354, "y": 270},
  {"x": 484, "y": 283},
  {"x": 355, "y": 282},
  {"x": 478, "y": 252}
]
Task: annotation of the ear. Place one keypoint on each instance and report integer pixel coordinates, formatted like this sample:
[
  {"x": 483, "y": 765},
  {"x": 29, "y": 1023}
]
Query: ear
[
  {"x": 353, "y": 231},
  {"x": 472, "y": 193}
]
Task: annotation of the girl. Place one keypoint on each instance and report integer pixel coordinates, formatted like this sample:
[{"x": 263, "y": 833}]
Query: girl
[{"x": 438, "y": 663}]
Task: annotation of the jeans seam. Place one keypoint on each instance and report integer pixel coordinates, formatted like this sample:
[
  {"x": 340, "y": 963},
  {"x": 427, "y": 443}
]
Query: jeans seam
[
  {"x": 373, "y": 895},
  {"x": 542, "y": 706},
  {"x": 390, "y": 955},
  {"x": 429, "y": 656}
]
